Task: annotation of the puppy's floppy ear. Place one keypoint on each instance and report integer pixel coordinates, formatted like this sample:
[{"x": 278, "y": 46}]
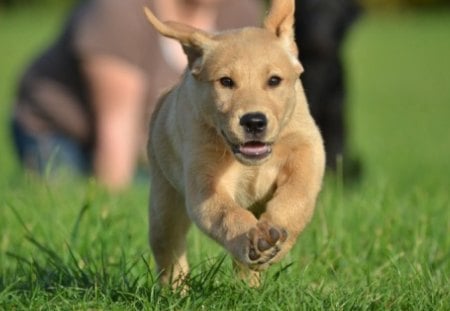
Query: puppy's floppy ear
[
  {"x": 196, "y": 43},
  {"x": 280, "y": 21}
]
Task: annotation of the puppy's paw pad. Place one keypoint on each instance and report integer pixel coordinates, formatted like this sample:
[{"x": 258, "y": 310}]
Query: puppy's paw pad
[
  {"x": 253, "y": 254},
  {"x": 265, "y": 243}
]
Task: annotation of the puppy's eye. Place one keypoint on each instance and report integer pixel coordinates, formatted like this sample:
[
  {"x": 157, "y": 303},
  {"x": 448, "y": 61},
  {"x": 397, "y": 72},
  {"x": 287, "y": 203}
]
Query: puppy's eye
[
  {"x": 227, "y": 82},
  {"x": 274, "y": 81}
]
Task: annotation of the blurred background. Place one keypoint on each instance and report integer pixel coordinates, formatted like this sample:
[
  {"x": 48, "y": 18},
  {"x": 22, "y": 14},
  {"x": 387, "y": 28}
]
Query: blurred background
[
  {"x": 397, "y": 65},
  {"x": 376, "y": 4}
]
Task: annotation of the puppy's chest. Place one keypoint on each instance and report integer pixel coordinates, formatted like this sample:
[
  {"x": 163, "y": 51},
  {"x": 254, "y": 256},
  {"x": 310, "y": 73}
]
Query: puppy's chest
[{"x": 250, "y": 186}]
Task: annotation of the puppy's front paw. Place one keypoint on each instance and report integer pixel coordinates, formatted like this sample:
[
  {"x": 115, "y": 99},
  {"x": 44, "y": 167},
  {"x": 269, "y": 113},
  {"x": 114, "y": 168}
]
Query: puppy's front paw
[{"x": 265, "y": 241}]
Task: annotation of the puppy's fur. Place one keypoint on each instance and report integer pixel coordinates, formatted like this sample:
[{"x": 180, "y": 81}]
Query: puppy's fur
[{"x": 233, "y": 147}]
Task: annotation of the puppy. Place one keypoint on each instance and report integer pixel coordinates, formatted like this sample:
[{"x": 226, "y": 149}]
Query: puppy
[{"x": 233, "y": 147}]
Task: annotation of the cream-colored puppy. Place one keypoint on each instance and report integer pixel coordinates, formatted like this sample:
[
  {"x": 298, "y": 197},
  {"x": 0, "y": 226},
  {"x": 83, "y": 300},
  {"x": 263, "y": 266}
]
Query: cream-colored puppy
[{"x": 233, "y": 147}]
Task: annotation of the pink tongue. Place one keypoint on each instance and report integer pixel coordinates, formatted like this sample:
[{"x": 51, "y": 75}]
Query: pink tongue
[{"x": 253, "y": 148}]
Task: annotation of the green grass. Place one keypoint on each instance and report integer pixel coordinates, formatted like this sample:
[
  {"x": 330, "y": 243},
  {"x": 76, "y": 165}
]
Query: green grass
[{"x": 381, "y": 244}]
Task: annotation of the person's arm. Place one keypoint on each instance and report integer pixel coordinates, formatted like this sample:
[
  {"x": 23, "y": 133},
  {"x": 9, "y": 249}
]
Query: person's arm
[{"x": 118, "y": 92}]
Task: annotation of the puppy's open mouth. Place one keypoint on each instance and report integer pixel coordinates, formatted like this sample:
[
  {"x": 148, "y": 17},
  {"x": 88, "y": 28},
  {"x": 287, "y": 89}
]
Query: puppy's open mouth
[{"x": 251, "y": 150}]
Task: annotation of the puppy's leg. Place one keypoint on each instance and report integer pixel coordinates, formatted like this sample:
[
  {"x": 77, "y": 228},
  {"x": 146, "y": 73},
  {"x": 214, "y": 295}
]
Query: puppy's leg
[
  {"x": 292, "y": 206},
  {"x": 169, "y": 224},
  {"x": 218, "y": 216},
  {"x": 252, "y": 244}
]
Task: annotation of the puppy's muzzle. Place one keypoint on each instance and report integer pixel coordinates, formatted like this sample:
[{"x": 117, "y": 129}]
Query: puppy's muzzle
[{"x": 253, "y": 150}]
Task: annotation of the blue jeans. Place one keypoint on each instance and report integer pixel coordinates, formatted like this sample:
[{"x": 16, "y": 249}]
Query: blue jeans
[{"x": 50, "y": 153}]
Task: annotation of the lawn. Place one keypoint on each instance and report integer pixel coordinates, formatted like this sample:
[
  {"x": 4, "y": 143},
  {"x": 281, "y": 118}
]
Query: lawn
[{"x": 382, "y": 243}]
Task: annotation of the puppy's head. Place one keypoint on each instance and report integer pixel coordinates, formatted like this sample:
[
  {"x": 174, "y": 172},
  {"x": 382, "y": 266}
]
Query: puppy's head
[{"x": 249, "y": 77}]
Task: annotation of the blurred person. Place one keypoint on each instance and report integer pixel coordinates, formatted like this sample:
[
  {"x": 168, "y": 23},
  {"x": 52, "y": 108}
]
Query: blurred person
[
  {"x": 85, "y": 102},
  {"x": 321, "y": 26}
]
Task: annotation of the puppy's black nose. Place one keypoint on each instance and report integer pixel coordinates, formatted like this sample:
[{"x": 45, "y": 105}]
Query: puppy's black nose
[{"x": 254, "y": 122}]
